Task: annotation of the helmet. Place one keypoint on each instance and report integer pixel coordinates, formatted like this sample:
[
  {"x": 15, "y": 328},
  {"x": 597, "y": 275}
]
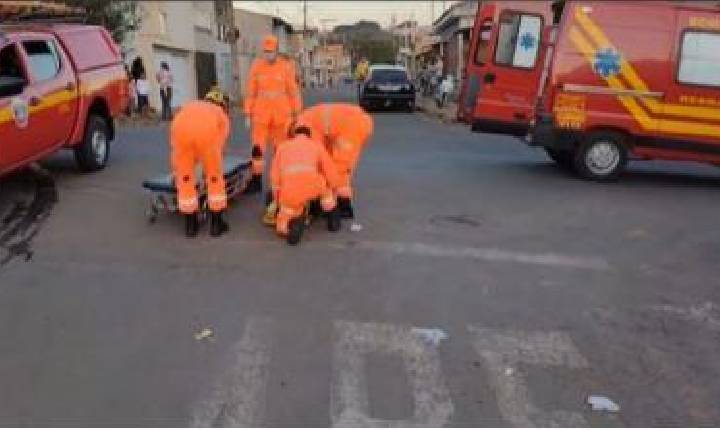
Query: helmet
[
  {"x": 270, "y": 44},
  {"x": 216, "y": 96}
]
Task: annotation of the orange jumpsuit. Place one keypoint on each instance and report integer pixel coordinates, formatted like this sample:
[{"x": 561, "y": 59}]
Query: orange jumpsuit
[
  {"x": 198, "y": 134},
  {"x": 301, "y": 171},
  {"x": 272, "y": 97},
  {"x": 344, "y": 129}
]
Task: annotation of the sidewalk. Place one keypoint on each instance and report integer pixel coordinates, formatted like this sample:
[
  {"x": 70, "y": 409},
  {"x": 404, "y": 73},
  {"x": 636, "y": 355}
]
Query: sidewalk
[{"x": 428, "y": 105}]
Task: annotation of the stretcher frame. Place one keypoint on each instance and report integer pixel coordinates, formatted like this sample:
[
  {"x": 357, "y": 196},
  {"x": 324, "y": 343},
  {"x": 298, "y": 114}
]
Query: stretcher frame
[{"x": 163, "y": 194}]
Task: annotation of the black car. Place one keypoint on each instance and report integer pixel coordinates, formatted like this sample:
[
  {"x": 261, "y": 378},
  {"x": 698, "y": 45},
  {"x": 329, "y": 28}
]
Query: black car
[{"x": 387, "y": 86}]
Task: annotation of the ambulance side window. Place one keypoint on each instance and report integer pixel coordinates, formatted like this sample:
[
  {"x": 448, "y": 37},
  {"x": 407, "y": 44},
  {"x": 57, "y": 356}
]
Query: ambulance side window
[
  {"x": 518, "y": 40},
  {"x": 482, "y": 53},
  {"x": 700, "y": 59}
]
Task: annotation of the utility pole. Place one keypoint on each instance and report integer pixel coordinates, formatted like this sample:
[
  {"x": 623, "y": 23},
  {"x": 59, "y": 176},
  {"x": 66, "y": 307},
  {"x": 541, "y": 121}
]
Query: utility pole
[
  {"x": 232, "y": 38},
  {"x": 304, "y": 42}
]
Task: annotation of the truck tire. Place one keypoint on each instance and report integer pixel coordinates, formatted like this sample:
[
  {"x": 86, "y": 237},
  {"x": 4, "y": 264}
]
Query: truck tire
[
  {"x": 602, "y": 156},
  {"x": 563, "y": 158},
  {"x": 93, "y": 152}
]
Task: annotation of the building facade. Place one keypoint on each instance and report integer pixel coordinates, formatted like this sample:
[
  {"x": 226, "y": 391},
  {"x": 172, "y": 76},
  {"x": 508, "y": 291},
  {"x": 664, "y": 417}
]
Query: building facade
[
  {"x": 454, "y": 28},
  {"x": 331, "y": 63},
  {"x": 198, "y": 58},
  {"x": 405, "y": 38}
]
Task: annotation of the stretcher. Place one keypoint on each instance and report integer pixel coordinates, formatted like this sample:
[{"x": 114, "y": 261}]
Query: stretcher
[{"x": 163, "y": 194}]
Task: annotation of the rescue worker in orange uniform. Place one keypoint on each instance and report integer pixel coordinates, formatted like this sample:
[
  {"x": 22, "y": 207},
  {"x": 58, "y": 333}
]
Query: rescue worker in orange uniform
[
  {"x": 272, "y": 102},
  {"x": 302, "y": 172},
  {"x": 344, "y": 129},
  {"x": 197, "y": 135}
]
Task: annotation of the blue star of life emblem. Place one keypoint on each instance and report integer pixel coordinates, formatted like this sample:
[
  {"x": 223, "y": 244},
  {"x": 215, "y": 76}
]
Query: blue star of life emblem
[
  {"x": 607, "y": 62},
  {"x": 527, "y": 41}
]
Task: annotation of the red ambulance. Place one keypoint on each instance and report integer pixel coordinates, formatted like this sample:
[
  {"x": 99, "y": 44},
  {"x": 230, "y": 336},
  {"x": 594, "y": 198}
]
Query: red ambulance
[
  {"x": 623, "y": 79},
  {"x": 506, "y": 61}
]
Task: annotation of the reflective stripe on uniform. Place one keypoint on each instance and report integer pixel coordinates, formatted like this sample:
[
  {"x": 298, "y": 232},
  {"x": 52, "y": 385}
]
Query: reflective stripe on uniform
[
  {"x": 188, "y": 204},
  {"x": 344, "y": 191},
  {"x": 289, "y": 211},
  {"x": 298, "y": 168},
  {"x": 271, "y": 94},
  {"x": 343, "y": 144},
  {"x": 217, "y": 198},
  {"x": 328, "y": 202}
]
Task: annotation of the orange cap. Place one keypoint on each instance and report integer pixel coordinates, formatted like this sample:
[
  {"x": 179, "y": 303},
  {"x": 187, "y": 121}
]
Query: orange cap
[{"x": 270, "y": 43}]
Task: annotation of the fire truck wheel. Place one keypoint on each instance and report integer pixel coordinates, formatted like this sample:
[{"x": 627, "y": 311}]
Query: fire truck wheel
[
  {"x": 564, "y": 159},
  {"x": 92, "y": 153},
  {"x": 602, "y": 156}
]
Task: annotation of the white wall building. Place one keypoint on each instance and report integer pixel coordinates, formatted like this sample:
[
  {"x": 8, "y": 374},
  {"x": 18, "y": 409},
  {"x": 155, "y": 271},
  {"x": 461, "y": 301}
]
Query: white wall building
[{"x": 185, "y": 35}]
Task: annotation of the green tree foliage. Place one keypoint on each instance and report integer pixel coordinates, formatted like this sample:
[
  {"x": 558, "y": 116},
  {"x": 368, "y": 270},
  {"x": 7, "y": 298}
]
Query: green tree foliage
[
  {"x": 366, "y": 39},
  {"x": 118, "y": 17}
]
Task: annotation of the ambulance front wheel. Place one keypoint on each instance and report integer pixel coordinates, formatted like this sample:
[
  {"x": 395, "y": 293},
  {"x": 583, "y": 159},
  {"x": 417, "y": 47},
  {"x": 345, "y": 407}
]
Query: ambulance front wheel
[{"x": 602, "y": 156}]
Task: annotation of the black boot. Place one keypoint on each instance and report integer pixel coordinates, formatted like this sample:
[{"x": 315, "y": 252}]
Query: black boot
[
  {"x": 296, "y": 227},
  {"x": 333, "y": 220},
  {"x": 191, "y": 225},
  {"x": 254, "y": 185},
  {"x": 345, "y": 208},
  {"x": 315, "y": 209},
  {"x": 218, "y": 226}
]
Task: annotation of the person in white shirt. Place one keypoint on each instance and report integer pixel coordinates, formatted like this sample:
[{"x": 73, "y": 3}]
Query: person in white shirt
[
  {"x": 142, "y": 88},
  {"x": 165, "y": 80}
]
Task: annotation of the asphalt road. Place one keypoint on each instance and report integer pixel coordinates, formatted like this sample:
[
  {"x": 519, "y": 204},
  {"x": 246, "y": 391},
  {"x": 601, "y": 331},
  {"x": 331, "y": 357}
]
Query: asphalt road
[{"x": 486, "y": 288}]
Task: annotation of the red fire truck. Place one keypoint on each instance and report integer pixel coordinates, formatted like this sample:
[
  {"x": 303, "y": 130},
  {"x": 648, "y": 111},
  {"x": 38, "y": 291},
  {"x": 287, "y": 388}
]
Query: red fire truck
[
  {"x": 612, "y": 81},
  {"x": 61, "y": 86}
]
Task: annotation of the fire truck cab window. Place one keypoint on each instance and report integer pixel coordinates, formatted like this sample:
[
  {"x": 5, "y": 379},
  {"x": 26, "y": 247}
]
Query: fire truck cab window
[
  {"x": 518, "y": 40},
  {"x": 700, "y": 59},
  {"x": 43, "y": 58},
  {"x": 10, "y": 63}
]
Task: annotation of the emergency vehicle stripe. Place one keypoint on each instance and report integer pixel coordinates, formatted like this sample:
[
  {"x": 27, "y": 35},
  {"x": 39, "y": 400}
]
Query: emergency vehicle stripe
[
  {"x": 59, "y": 97},
  {"x": 630, "y": 103},
  {"x": 629, "y": 73},
  {"x": 5, "y": 115}
]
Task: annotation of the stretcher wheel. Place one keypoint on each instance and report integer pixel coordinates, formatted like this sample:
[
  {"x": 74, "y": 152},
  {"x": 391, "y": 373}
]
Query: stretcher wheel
[{"x": 151, "y": 214}]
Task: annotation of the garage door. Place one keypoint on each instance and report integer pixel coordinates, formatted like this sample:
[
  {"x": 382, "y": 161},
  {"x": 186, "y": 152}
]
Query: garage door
[{"x": 179, "y": 63}]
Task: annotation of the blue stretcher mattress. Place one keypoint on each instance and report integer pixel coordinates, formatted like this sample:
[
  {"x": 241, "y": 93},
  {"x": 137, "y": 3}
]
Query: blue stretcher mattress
[{"x": 232, "y": 166}]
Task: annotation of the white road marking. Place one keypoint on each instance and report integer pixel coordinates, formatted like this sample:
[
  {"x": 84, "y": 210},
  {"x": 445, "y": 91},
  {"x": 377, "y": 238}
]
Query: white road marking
[
  {"x": 503, "y": 349},
  {"x": 349, "y": 397},
  {"x": 238, "y": 397},
  {"x": 438, "y": 251},
  {"x": 487, "y": 254}
]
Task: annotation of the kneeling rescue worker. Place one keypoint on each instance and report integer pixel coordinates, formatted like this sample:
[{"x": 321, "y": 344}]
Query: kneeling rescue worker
[
  {"x": 302, "y": 172},
  {"x": 198, "y": 134},
  {"x": 344, "y": 129},
  {"x": 272, "y": 102}
]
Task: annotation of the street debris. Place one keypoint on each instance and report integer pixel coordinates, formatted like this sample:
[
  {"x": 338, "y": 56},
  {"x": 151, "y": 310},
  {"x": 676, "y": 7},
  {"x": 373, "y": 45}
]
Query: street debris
[
  {"x": 602, "y": 403},
  {"x": 707, "y": 313},
  {"x": 204, "y": 334},
  {"x": 355, "y": 227},
  {"x": 432, "y": 336}
]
